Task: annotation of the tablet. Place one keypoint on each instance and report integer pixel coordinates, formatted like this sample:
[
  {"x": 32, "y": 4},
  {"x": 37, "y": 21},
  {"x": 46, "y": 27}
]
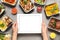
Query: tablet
[{"x": 29, "y": 23}]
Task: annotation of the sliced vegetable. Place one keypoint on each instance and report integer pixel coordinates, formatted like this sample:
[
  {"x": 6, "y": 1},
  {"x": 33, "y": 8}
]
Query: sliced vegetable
[
  {"x": 1, "y": 37},
  {"x": 5, "y": 37},
  {"x": 1, "y": 25},
  {"x": 40, "y": 1},
  {"x": 14, "y": 11},
  {"x": 54, "y": 24},
  {"x": 54, "y": 8},
  {"x": 1, "y": 7},
  {"x": 52, "y": 35},
  {"x": 51, "y": 9},
  {"x": 39, "y": 9},
  {"x": 10, "y": 1}
]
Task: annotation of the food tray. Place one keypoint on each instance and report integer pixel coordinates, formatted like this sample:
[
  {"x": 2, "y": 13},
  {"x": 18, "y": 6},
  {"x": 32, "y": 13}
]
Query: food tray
[
  {"x": 40, "y": 4},
  {"x": 4, "y": 36},
  {"x": 9, "y": 3},
  {"x": 24, "y": 9},
  {"x": 51, "y": 28},
  {"x": 52, "y": 14},
  {"x": 2, "y": 9},
  {"x": 7, "y": 25}
]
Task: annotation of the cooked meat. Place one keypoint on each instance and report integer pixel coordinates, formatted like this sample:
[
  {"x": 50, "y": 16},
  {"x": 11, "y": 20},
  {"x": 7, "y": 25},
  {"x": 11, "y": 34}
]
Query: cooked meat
[
  {"x": 7, "y": 20},
  {"x": 52, "y": 20},
  {"x": 58, "y": 25},
  {"x": 52, "y": 23}
]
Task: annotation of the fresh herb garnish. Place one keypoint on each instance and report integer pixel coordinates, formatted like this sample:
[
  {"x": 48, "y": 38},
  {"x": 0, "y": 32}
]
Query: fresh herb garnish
[
  {"x": 2, "y": 25},
  {"x": 54, "y": 23},
  {"x": 40, "y": 1},
  {"x": 54, "y": 8},
  {"x": 25, "y": 1},
  {"x": 1, "y": 7},
  {"x": 2, "y": 36}
]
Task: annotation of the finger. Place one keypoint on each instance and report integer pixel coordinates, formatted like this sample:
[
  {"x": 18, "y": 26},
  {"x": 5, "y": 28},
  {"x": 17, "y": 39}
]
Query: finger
[
  {"x": 43, "y": 24},
  {"x": 14, "y": 25}
]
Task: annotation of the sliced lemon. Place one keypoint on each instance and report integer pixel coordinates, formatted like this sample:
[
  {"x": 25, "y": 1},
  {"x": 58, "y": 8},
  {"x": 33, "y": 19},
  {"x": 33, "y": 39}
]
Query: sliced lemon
[{"x": 52, "y": 35}]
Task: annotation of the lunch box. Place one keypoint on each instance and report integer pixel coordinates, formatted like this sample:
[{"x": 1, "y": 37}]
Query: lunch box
[
  {"x": 40, "y": 4},
  {"x": 51, "y": 28},
  {"x": 52, "y": 14},
  {"x": 24, "y": 9},
  {"x": 9, "y": 3},
  {"x": 9, "y": 25}
]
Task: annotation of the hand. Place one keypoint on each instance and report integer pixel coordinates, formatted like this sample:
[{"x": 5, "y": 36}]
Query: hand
[
  {"x": 44, "y": 31},
  {"x": 15, "y": 27},
  {"x": 44, "y": 28},
  {"x": 15, "y": 30}
]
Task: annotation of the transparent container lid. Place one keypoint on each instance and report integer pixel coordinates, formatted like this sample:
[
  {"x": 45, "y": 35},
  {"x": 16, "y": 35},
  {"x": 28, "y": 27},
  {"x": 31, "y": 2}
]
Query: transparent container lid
[{"x": 50, "y": 2}]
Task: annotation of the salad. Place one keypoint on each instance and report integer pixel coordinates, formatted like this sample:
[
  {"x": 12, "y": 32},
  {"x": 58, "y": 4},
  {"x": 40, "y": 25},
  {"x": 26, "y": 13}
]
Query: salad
[
  {"x": 2, "y": 9},
  {"x": 26, "y": 5},
  {"x": 5, "y": 22},
  {"x": 51, "y": 9},
  {"x": 5, "y": 37},
  {"x": 41, "y": 2},
  {"x": 3, "y": 26}
]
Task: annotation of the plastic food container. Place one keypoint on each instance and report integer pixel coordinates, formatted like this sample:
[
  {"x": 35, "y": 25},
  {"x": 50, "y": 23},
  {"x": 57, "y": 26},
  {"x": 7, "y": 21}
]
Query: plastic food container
[
  {"x": 4, "y": 36},
  {"x": 24, "y": 9},
  {"x": 2, "y": 8},
  {"x": 40, "y": 2},
  {"x": 5, "y": 23},
  {"x": 12, "y": 4},
  {"x": 51, "y": 10},
  {"x": 54, "y": 24}
]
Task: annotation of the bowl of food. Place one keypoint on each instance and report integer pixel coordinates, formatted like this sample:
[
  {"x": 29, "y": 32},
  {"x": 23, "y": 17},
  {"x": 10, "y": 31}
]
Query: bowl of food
[
  {"x": 54, "y": 24},
  {"x": 40, "y": 2},
  {"x": 26, "y": 5},
  {"x": 51, "y": 9},
  {"x": 5, "y": 23},
  {"x": 2, "y": 8},
  {"x": 5, "y": 36},
  {"x": 39, "y": 9},
  {"x": 10, "y": 2}
]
